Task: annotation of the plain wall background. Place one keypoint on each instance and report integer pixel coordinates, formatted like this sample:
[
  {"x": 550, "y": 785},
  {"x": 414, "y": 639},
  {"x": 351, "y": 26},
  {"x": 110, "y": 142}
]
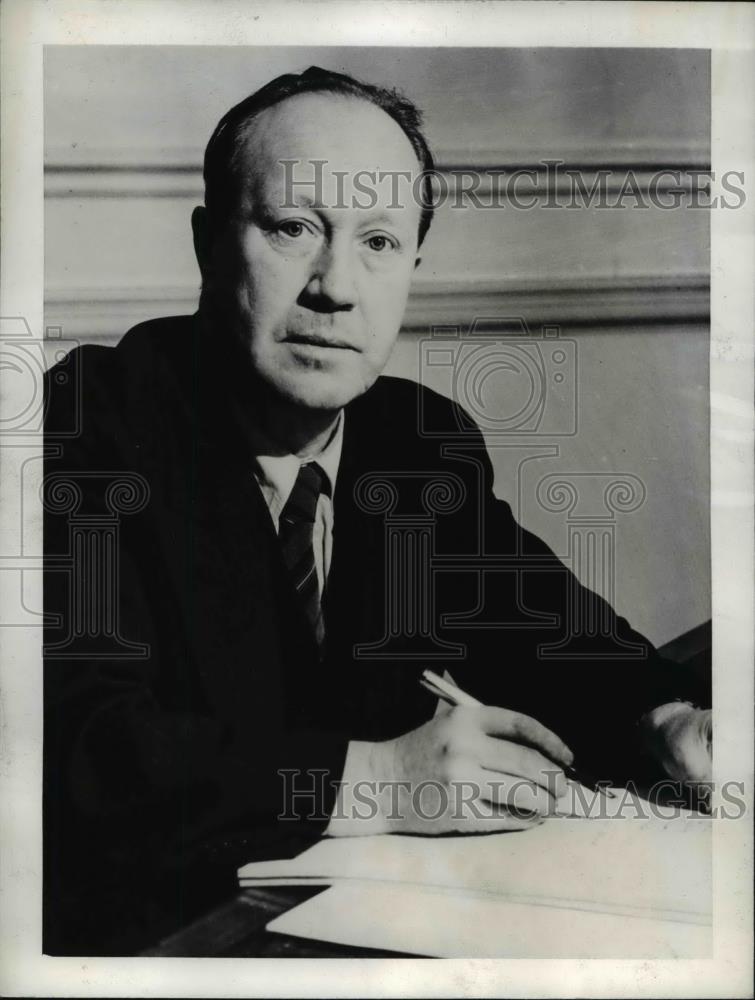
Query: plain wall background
[{"x": 125, "y": 129}]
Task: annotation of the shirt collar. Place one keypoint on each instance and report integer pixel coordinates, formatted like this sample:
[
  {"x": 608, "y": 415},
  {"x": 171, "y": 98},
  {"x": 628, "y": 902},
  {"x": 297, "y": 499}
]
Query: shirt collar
[{"x": 276, "y": 474}]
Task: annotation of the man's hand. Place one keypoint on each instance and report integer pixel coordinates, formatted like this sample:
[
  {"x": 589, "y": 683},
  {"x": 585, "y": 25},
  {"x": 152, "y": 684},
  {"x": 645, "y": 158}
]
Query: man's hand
[
  {"x": 679, "y": 736},
  {"x": 466, "y": 770}
]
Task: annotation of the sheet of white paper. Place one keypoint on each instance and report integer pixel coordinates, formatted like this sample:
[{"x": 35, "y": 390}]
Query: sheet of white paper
[
  {"x": 452, "y": 925},
  {"x": 647, "y": 868}
]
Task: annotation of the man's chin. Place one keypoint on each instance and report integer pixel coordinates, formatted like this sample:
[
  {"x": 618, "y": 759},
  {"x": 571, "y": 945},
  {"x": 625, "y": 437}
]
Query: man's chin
[{"x": 321, "y": 393}]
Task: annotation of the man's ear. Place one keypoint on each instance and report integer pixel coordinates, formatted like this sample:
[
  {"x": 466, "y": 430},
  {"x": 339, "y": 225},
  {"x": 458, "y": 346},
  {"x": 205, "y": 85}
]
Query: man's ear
[{"x": 200, "y": 227}]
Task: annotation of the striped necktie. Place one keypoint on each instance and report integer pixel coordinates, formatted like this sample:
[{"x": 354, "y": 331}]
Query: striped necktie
[{"x": 296, "y": 525}]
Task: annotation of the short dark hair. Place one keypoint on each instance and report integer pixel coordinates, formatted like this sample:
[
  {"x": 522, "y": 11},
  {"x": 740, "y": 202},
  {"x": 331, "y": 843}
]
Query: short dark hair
[{"x": 220, "y": 176}]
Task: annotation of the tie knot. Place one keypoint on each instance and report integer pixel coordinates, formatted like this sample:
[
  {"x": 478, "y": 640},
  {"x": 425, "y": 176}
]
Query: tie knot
[{"x": 302, "y": 502}]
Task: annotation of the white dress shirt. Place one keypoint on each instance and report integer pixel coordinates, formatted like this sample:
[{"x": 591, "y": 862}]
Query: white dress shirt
[{"x": 276, "y": 475}]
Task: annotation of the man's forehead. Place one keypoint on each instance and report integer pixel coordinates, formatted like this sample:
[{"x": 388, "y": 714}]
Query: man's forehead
[{"x": 342, "y": 134}]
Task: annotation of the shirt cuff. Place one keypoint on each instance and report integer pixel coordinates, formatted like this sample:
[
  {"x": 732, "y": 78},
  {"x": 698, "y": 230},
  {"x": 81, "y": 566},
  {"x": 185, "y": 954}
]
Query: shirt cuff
[{"x": 358, "y": 807}]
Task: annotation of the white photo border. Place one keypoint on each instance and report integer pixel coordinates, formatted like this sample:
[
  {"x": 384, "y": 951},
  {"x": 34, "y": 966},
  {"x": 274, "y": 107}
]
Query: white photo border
[{"x": 728, "y": 30}]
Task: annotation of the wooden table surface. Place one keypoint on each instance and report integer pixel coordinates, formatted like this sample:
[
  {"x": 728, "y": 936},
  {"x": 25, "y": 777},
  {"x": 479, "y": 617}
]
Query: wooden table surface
[{"x": 237, "y": 930}]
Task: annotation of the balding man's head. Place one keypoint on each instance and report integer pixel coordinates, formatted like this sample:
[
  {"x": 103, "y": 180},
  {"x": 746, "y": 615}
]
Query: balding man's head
[
  {"x": 312, "y": 279},
  {"x": 223, "y": 153}
]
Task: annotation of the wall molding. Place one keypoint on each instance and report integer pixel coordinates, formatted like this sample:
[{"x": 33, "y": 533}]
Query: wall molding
[
  {"x": 97, "y": 314},
  {"x": 657, "y": 151},
  {"x": 176, "y": 172}
]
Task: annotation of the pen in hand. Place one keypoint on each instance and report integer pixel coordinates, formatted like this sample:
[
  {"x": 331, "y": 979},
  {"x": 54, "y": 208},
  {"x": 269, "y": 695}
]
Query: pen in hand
[{"x": 455, "y": 696}]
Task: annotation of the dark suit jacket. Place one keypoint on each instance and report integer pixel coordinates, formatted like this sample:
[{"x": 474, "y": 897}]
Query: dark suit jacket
[{"x": 162, "y": 770}]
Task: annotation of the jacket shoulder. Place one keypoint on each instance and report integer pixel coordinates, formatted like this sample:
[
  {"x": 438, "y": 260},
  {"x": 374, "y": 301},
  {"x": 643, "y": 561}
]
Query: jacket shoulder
[
  {"x": 94, "y": 383},
  {"x": 405, "y": 404}
]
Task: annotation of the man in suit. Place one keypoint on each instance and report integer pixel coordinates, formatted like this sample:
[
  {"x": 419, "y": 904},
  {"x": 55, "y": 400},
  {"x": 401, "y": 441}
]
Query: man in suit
[{"x": 255, "y": 675}]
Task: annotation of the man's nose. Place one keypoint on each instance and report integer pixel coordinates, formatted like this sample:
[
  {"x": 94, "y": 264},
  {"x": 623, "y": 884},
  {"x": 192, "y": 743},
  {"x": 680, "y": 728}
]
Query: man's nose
[{"x": 332, "y": 284}]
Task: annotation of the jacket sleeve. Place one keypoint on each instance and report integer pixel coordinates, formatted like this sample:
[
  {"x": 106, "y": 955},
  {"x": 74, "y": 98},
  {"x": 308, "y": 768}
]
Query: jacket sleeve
[{"x": 564, "y": 656}]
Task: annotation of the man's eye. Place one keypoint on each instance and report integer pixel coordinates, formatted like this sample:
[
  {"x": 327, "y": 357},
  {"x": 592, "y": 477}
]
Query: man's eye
[
  {"x": 292, "y": 228},
  {"x": 380, "y": 243}
]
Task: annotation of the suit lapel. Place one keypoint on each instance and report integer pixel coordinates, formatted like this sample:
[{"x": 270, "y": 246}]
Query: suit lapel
[{"x": 244, "y": 617}]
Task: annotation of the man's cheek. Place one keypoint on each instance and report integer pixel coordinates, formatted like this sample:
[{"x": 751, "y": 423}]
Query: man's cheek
[
  {"x": 279, "y": 283},
  {"x": 265, "y": 292},
  {"x": 393, "y": 290},
  {"x": 385, "y": 317}
]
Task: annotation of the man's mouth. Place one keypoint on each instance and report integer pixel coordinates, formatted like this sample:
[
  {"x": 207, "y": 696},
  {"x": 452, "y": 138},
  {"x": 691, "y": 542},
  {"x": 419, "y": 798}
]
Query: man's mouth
[{"x": 314, "y": 340}]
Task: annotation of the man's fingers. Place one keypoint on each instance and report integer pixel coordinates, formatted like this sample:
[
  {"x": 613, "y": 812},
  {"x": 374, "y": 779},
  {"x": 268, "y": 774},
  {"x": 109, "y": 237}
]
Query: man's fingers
[
  {"x": 510, "y": 796},
  {"x": 479, "y": 813},
  {"x": 497, "y": 821},
  {"x": 504, "y": 757},
  {"x": 523, "y": 729},
  {"x": 442, "y": 708}
]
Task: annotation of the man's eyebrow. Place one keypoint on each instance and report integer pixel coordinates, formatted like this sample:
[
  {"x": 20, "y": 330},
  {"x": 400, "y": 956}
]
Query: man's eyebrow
[
  {"x": 386, "y": 216},
  {"x": 301, "y": 200},
  {"x": 292, "y": 199}
]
